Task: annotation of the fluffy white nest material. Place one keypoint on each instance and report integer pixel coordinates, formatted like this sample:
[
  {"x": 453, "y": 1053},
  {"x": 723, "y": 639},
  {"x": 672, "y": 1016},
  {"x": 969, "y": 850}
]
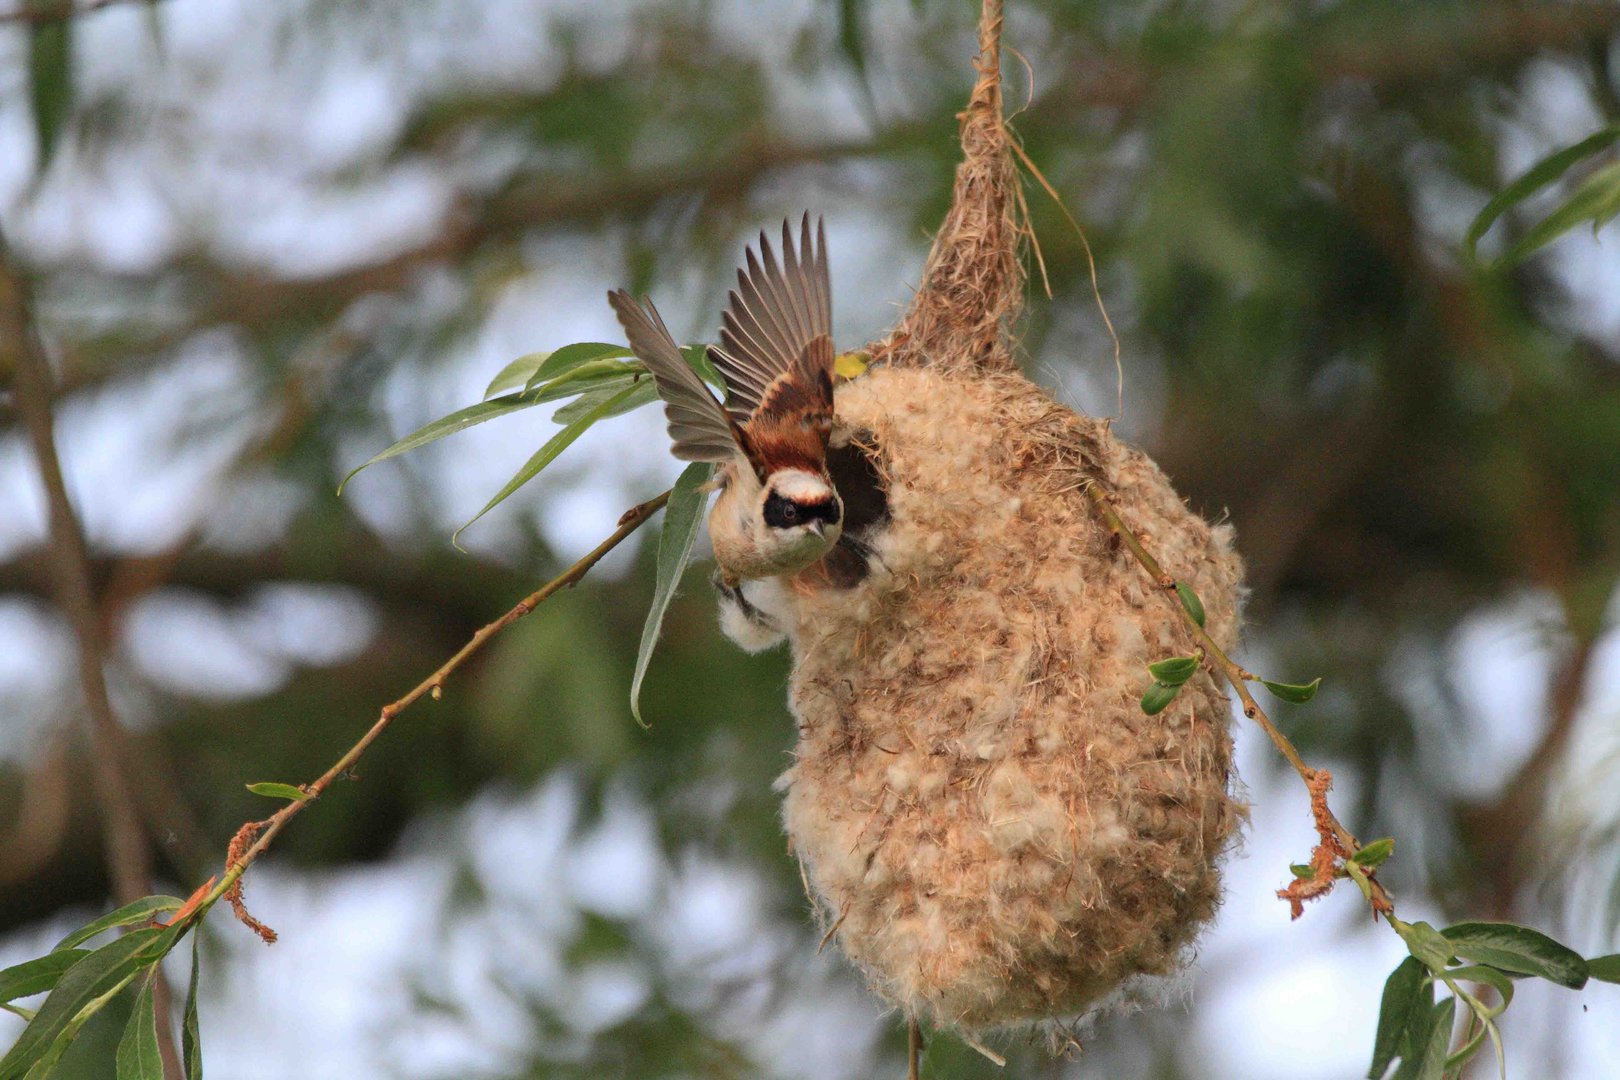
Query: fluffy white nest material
[
  {"x": 998, "y": 831},
  {"x": 991, "y": 826}
]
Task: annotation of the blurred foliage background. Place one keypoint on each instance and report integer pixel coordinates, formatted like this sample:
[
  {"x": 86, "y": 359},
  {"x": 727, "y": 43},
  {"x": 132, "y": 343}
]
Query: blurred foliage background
[{"x": 265, "y": 240}]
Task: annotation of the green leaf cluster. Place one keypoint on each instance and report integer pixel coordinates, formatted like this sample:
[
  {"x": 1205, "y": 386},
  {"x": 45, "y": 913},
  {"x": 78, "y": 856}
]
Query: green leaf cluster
[
  {"x": 80, "y": 982},
  {"x": 1596, "y": 199},
  {"x": 596, "y": 379},
  {"x": 1415, "y": 1032}
]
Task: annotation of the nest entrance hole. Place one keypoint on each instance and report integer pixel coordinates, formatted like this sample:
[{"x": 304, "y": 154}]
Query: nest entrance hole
[{"x": 857, "y": 471}]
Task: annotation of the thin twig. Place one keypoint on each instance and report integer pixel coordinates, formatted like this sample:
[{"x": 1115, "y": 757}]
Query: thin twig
[
  {"x": 1334, "y": 833},
  {"x": 914, "y": 1046},
  {"x": 129, "y": 859},
  {"x": 264, "y": 832}
]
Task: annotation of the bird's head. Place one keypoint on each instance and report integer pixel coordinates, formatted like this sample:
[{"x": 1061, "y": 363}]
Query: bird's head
[{"x": 801, "y": 518}]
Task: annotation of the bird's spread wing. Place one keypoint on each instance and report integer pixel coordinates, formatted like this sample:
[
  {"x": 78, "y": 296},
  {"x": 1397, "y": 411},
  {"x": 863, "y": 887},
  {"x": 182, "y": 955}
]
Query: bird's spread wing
[
  {"x": 699, "y": 428},
  {"x": 778, "y": 324}
]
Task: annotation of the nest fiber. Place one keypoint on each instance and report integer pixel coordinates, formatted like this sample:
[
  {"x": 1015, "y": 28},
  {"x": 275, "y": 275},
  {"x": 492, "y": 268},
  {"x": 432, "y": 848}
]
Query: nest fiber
[{"x": 996, "y": 830}]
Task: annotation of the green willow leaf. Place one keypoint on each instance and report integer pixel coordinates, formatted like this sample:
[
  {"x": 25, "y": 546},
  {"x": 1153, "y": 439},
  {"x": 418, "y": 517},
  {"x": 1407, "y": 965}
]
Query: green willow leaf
[
  {"x": 1418, "y": 1030},
  {"x": 1374, "y": 854},
  {"x": 1495, "y": 978},
  {"x": 1518, "y": 949},
  {"x": 1174, "y": 671},
  {"x": 190, "y": 1034},
  {"x": 1427, "y": 944},
  {"x": 50, "y": 84},
  {"x": 645, "y": 392},
  {"x": 569, "y": 357},
  {"x": 273, "y": 790},
  {"x": 1298, "y": 693},
  {"x": 460, "y": 420},
  {"x": 37, "y": 976},
  {"x": 1431, "y": 1065},
  {"x": 516, "y": 375},
  {"x": 1303, "y": 871},
  {"x": 138, "y": 1057},
  {"x": 1190, "y": 601},
  {"x": 1158, "y": 697},
  {"x": 80, "y": 993},
  {"x": 141, "y": 910},
  {"x": 1597, "y": 200},
  {"x": 1538, "y": 176},
  {"x": 484, "y": 411},
  {"x": 1395, "y": 1013},
  {"x": 683, "y": 517},
  {"x": 1604, "y": 968},
  {"x": 547, "y": 454}
]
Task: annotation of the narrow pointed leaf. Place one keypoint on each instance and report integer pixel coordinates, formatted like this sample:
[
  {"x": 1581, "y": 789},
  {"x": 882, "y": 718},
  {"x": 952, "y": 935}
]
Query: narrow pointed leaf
[
  {"x": 548, "y": 453},
  {"x": 645, "y": 392},
  {"x": 516, "y": 375},
  {"x": 1518, "y": 949},
  {"x": 1395, "y": 1013},
  {"x": 1604, "y": 968},
  {"x": 140, "y": 911},
  {"x": 1174, "y": 671},
  {"x": 683, "y": 517},
  {"x": 569, "y": 357},
  {"x": 190, "y": 1034},
  {"x": 1374, "y": 854},
  {"x": 1427, "y": 944},
  {"x": 138, "y": 1057},
  {"x": 1432, "y": 1064},
  {"x": 1495, "y": 978},
  {"x": 1538, "y": 176},
  {"x": 272, "y": 790},
  {"x": 1190, "y": 601},
  {"x": 1597, "y": 200},
  {"x": 460, "y": 420},
  {"x": 83, "y": 989},
  {"x": 1298, "y": 693},
  {"x": 1158, "y": 698},
  {"x": 589, "y": 375},
  {"x": 37, "y": 976},
  {"x": 1417, "y": 1033}
]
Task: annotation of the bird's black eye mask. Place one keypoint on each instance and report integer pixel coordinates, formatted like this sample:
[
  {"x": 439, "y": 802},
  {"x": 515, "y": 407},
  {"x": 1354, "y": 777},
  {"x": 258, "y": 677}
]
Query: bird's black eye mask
[{"x": 783, "y": 513}]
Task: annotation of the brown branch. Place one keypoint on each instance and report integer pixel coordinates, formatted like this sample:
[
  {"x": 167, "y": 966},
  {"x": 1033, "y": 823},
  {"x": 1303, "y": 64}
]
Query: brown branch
[
  {"x": 1334, "y": 836},
  {"x": 262, "y": 833},
  {"x": 129, "y": 859}
]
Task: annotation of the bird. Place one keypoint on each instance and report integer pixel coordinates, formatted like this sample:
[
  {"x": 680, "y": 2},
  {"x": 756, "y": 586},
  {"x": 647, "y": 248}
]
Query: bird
[{"x": 779, "y": 511}]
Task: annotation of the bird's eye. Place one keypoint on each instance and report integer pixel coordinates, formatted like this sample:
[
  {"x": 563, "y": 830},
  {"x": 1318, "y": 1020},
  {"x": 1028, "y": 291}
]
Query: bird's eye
[{"x": 780, "y": 513}]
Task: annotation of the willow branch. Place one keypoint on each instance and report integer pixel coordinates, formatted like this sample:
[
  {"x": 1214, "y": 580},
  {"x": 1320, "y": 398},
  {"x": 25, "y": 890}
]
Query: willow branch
[
  {"x": 129, "y": 859},
  {"x": 255, "y": 837},
  {"x": 1238, "y": 679}
]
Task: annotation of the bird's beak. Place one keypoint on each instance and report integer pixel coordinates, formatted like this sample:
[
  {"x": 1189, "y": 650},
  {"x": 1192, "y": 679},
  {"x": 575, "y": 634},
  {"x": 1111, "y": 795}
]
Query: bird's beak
[{"x": 819, "y": 527}]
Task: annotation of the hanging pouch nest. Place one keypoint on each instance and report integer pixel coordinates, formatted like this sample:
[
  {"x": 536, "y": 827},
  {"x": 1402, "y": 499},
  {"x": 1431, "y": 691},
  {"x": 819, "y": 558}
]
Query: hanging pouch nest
[{"x": 988, "y": 820}]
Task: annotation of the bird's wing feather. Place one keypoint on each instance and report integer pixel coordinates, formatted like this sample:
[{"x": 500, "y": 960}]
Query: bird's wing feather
[
  {"x": 699, "y": 428},
  {"x": 773, "y": 316}
]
